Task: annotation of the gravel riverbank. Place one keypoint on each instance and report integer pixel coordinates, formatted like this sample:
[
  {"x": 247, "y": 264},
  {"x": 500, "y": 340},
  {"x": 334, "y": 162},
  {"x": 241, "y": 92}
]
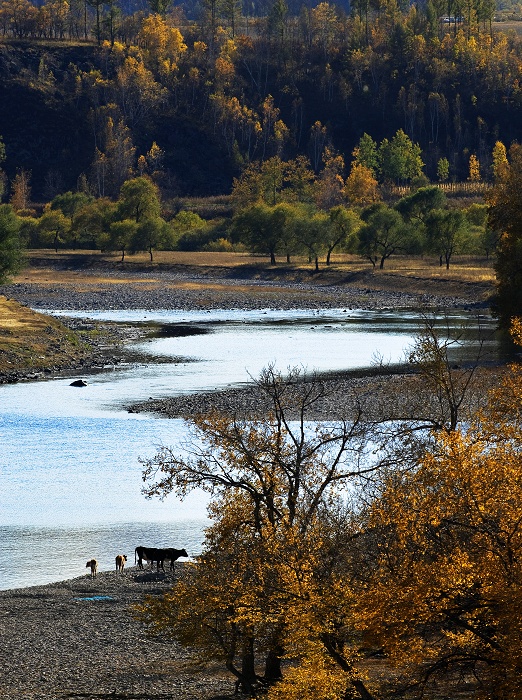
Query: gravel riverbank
[{"x": 79, "y": 639}]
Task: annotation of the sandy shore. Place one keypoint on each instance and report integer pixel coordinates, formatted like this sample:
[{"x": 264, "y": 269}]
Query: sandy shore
[{"x": 79, "y": 639}]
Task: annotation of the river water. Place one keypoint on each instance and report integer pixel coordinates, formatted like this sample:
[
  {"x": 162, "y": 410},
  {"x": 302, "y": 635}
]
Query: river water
[{"x": 70, "y": 476}]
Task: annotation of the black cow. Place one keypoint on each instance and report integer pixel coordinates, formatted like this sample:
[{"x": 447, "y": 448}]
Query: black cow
[
  {"x": 153, "y": 554},
  {"x": 174, "y": 554}
]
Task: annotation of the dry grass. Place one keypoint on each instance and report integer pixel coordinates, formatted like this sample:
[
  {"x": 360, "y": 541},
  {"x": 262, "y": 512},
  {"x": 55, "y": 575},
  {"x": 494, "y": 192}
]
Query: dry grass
[
  {"x": 34, "y": 341},
  {"x": 68, "y": 266},
  {"x": 508, "y": 26}
]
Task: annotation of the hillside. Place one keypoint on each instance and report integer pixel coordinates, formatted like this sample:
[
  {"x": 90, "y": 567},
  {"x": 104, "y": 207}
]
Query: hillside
[{"x": 209, "y": 105}]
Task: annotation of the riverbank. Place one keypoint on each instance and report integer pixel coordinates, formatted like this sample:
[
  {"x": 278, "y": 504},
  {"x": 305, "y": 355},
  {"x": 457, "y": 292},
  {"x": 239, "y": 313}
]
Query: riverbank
[
  {"x": 79, "y": 282},
  {"x": 79, "y": 639}
]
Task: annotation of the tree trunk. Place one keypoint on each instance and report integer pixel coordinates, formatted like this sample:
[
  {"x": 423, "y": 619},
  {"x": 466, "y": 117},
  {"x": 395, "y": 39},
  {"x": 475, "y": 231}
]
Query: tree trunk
[
  {"x": 273, "y": 667},
  {"x": 247, "y": 680},
  {"x": 272, "y": 258},
  {"x": 316, "y": 264}
]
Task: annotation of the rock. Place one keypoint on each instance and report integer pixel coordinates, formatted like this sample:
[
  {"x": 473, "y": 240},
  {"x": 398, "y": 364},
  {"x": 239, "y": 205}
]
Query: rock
[{"x": 78, "y": 382}]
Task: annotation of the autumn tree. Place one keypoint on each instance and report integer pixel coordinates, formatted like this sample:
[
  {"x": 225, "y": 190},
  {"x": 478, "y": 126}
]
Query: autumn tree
[
  {"x": 273, "y": 482},
  {"x": 21, "y": 190},
  {"x": 329, "y": 185},
  {"x": 500, "y": 164},
  {"x": 474, "y": 168},
  {"x": 361, "y": 187},
  {"x": 444, "y": 548}
]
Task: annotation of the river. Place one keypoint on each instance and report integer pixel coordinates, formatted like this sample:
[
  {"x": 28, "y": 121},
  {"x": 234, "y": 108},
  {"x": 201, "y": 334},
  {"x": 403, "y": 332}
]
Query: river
[{"x": 70, "y": 476}]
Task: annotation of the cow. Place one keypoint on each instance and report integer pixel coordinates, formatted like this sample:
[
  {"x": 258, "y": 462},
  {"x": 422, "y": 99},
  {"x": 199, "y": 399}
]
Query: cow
[
  {"x": 153, "y": 554},
  {"x": 93, "y": 564},
  {"x": 120, "y": 562},
  {"x": 174, "y": 554}
]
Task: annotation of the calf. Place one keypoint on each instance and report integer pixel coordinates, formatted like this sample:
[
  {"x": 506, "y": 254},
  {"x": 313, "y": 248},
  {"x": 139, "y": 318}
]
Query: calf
[
  {"x": 94, "y": 567},
  {"x": 120, "y": 562}
]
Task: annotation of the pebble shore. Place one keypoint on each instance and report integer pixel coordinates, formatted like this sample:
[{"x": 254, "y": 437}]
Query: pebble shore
[{"x": 79, "y": 639}]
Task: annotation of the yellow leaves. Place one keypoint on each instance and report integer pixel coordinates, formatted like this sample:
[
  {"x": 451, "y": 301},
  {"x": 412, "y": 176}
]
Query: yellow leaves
[
  {"x": 160, "y": 41},
  {"x": 313, "y": 679},
  {"x": 361, "y": 188}
]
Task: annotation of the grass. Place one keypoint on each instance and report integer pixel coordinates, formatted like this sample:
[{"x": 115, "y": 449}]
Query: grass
[
  {"x": 34, "y": 341},
  {"x": 49, "y": 267}
]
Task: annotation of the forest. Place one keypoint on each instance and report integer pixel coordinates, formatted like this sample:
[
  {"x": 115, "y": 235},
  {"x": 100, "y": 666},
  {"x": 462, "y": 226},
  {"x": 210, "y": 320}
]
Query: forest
[{"x": 93, "y": 97}]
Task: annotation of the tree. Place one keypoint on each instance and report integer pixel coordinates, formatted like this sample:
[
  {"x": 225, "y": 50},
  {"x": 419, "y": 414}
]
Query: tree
[
  {"x": 313, "y": 234},
  {"x": 121, "y": 235},
  {"x": 11, "y": 251},
  {"x": 361, "y": 188},
  {"x": 382, "y": 234},
  {"x": 21, "y": 190},
  {"x": 342, "y": 231},
  {"x": 92, "y": 223},
  {"x": 500, "y": 161},
  {"x": 442, "y": 602},
  {"x": 329, "y": 185},
  {"x": 505, "y": 216},
  {"x": 152, "y": 234},
  {"x": 400, "y": 159},
  {"x": 446, "y": 231},
  {"x": 474, "y": 168},
  {"x": 443, "y": 167},
  {"x": 366, "y": 153},
  {"x": 273, "y": 482},
  {"x": 261, "y": 228},
  {"x": 139, "y": 200},
  {"x": 54, "y": 228},
  {"x": 416, "y": 207},
  {"x": 70, "y": 203}
]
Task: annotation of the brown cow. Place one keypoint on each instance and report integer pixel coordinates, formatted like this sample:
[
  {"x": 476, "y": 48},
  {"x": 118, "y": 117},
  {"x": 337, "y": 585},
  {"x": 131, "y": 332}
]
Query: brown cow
[
  {"x": 94, "y": 567},
  {"x": 120, "y": 562}
]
